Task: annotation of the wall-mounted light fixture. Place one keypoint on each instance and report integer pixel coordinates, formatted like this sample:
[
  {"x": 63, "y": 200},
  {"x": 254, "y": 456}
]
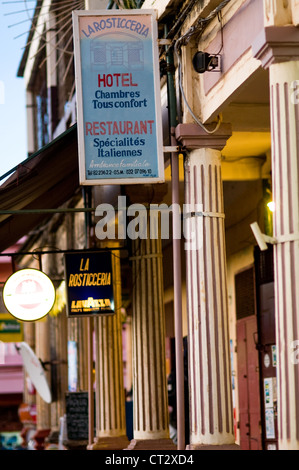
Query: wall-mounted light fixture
[
  {"x": 271, "y": 206},
  {"x": 204, "y": 62},
  {"x": 261, "y": 238}
]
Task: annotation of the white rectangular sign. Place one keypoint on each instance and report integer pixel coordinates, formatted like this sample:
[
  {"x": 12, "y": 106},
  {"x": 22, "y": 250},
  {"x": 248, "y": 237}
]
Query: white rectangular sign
[{"x": 118, "y": 97}]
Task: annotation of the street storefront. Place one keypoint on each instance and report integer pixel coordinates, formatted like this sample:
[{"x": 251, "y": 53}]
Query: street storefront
[{"x": 164, "y": 209}]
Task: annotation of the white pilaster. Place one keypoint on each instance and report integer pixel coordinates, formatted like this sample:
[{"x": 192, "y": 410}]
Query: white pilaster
[
  {"x": 30, "y": 113},
  {"x": 110, "y": 395},
  {"x": 285, "y": 169},
  {"x": 210, "y": 387},
  {"x": 151, "y": 422},
  {"x": 279, "y": 52},
  {"x": 43, "y": 409}
]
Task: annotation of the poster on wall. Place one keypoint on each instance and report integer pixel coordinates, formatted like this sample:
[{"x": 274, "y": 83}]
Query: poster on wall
[
  {"x": 118, "y": 97},
  {"x": 268, "y": 390},
  {"x": 270, "y": 426},
  {"x": 72, "y": 353}
]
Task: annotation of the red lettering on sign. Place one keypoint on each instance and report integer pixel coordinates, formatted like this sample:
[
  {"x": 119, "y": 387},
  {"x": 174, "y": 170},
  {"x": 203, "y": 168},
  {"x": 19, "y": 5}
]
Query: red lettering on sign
[{"x": 115, "y": 79}]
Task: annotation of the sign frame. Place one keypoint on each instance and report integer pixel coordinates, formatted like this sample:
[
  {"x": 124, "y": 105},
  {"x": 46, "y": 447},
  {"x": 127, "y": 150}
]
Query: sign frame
[
  {"x": 159, "y": 155},
  {"x": 90, "y": 284}
]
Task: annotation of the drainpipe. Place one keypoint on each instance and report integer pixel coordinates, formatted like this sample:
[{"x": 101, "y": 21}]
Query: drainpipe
[
  {"x": 89, "y": 321},
  {"x": 176, "y": 244}
]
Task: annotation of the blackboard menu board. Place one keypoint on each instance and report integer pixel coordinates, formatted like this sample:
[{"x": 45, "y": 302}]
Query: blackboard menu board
[{"x": 77, "y": 415}]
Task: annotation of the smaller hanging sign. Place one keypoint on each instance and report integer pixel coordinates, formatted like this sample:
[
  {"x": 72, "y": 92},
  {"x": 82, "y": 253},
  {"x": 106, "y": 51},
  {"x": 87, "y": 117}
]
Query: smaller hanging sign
[
  {"x": 89, "y": 283},
  {"x": 28, "y": 294}
]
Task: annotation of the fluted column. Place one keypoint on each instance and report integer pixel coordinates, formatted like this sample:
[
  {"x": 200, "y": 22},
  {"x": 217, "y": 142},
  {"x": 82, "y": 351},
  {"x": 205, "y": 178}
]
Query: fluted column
[
  {"x": 29, "y": 397},
  {"x": 43, "y": 409},
  {"x": 150, "y": 401},
  {"x": 110, "y": 394},
  {"x": 59, "y": 371},
  {"x": 279, "y": 52},
  {"x": 29, "y": 338},
  {"x": 211, "y": 412},
  {"x": 285, "y": 168}
]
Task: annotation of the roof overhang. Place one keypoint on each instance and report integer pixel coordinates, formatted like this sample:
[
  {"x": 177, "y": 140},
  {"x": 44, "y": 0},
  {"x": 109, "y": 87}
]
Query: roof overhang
[{"x": 46, "y": 180}]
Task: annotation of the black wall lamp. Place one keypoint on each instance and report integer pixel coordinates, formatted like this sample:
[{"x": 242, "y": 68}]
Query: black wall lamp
[{"x": 204, "y": 62}]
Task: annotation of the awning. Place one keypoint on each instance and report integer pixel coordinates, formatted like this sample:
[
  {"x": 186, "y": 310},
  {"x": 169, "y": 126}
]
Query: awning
[{"x": 46, "y": 180}]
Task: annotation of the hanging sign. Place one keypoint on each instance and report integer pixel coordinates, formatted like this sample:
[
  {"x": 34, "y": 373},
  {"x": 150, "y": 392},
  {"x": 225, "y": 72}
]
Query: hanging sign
[
  {"x": 28, "y": 294},
  {"x": 118, "y": 97},
  {"x": 89, "y": 284}
]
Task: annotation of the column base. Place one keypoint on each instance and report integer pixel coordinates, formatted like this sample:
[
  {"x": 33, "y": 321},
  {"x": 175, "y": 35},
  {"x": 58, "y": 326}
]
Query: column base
[
  {"x": 213, "y": 447},
  {"x": 24, "y": 434},
  {"x": 109, "y": 443},
  {"x": 51, "y": 442},
  {"x": 75, "y": 445},
  {"x": 151, "y": 444},
  {"x": 39, "y": 438}
]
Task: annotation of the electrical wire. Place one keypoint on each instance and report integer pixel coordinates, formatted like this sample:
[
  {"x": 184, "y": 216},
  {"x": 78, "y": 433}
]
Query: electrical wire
[
  {"x": 201, "y": 22},
  {"x": 181, "y": 18},
  {"x": 197, "y": 120},
  {"x": 197, "y": 28}
]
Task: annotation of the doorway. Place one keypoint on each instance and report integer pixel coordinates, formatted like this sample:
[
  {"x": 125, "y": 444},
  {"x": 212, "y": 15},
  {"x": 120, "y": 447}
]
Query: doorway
[
  {"x": 248, "y": 361},
  {"x": 267, "y": 346}
]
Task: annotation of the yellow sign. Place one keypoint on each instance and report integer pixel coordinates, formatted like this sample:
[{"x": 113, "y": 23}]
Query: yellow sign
[{"x": 11, "y": 330}]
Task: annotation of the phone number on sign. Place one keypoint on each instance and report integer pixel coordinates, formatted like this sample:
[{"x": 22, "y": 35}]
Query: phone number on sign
[{"x": 120, "y": 172}]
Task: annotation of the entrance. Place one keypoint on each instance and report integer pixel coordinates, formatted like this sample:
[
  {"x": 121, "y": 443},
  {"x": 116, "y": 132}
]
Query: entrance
[
  {"x": 248, "y": 362},
  {"x": 267, "y": 346}
]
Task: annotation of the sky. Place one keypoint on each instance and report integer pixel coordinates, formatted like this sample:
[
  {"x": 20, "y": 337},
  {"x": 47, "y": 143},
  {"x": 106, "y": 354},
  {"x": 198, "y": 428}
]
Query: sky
[{"x": 13, "y": 132}]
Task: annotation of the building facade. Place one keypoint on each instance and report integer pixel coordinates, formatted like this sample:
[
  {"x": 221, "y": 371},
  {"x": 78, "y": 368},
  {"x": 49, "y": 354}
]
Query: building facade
[{"x": 229, "y": 101}]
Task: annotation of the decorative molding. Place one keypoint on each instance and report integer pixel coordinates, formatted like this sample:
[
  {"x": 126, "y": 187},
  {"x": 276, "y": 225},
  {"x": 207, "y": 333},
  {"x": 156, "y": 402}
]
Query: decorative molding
[
  {"x": 277, "y": 44},
  {"x": 192, "y": 136}
]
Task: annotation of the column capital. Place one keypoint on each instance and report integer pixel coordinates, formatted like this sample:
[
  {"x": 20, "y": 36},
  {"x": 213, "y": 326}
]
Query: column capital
[
  {"x": 192, "y": 136},
  {"x": 276, "y": 44}
]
